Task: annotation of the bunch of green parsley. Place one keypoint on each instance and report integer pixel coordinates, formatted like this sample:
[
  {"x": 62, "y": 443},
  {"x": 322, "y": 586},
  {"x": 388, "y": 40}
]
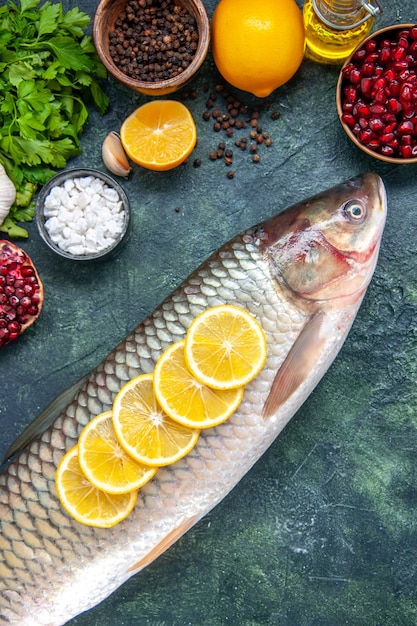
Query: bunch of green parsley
[{"x": 49, "y": 70}]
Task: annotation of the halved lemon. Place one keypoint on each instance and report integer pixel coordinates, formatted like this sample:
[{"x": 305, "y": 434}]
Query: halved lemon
[
  {"x": 144, "y": 430},
  {"x": 84, "y": 502},
  {"x": 159, "y": 135},
  {"x": 187, "y": 400},
  {"x": 225, "y": 347},
  {"x": 105, "y": 463}
]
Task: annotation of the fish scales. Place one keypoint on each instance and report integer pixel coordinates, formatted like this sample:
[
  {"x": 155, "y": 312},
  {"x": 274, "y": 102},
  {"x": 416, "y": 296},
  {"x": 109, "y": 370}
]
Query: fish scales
[{"x": 52, "y": 567}]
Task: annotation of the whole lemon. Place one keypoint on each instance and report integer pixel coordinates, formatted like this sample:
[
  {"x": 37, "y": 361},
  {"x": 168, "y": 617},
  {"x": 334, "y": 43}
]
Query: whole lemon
[{"x": 257, "y": 45}]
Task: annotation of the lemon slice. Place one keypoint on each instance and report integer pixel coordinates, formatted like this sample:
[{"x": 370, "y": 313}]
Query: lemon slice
[
  {"x": 144, "y": 430},
  {"x": 225, "y": 347},
  {"x": 84, "y": 502},
  {"x": 187, "y": 400},
  {"x": 105, "y": 463},
  {"x": 159, "y": 135}
]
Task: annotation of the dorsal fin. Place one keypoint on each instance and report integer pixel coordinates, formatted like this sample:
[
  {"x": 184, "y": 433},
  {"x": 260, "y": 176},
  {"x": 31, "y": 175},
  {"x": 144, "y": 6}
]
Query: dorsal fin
[
  {"x": 298, "y": 364},
  {"x": 42, "y": 421}
]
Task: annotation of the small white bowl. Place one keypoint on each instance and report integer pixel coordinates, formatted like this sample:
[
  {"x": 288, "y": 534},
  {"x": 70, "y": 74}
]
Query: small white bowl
[{"x": 58, "y": 180}]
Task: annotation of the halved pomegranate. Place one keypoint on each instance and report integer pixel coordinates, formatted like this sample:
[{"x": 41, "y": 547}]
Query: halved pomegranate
[{"x": 21, "y": 292}]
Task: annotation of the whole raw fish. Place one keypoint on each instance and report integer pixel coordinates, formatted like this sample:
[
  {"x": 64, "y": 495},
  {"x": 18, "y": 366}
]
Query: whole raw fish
[{"x": 303, "y": 275}]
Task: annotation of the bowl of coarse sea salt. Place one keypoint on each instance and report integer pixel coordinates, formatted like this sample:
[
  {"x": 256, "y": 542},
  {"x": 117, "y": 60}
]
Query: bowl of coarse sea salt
[{"x": 83, "y": 215}]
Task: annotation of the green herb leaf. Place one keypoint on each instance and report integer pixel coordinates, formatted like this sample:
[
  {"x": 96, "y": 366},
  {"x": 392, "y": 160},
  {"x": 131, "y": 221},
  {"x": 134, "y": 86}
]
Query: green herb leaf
[
  {"x": 48, "y": 19},
  {"x": 49, "y": 72}
]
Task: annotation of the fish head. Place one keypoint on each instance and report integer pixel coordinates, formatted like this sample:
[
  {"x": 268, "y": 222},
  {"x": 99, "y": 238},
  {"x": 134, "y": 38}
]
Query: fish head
[{"x": 326, "y": 248}]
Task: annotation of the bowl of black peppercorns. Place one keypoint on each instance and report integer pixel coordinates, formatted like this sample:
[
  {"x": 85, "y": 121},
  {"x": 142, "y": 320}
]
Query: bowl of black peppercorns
[{"x": 153, "y": 47}]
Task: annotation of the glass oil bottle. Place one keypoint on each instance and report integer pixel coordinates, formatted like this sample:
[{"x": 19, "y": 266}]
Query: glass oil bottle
[{"x": 335, "y": 27}]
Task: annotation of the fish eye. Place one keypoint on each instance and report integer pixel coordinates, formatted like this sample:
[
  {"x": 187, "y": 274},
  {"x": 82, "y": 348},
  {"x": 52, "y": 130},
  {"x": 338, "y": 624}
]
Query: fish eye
[{"x": 355, "y": 211}]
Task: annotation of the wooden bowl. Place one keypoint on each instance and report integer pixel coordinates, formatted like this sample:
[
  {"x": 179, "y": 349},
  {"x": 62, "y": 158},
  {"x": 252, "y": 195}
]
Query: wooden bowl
[
  {"x": 390, "y": 33},
  {"x": 105, "y": 17}
]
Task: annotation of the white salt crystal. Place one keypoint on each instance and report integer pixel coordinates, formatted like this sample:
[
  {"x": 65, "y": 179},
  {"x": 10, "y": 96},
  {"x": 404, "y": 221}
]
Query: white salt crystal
[{"x": 85, "y": 215}]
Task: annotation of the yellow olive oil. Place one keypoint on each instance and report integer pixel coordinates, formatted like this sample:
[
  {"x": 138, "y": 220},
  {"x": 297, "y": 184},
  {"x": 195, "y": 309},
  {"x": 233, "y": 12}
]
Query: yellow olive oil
[{"x": 334, "y": 28}]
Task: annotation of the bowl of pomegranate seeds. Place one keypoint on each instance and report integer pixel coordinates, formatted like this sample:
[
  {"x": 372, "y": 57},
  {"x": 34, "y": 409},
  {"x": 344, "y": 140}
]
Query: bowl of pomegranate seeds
[
  {"x": 377, "y": 94},
  {"x": 152, "y": 48}
]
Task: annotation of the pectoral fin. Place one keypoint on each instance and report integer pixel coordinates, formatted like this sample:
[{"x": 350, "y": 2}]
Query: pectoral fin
[
  {"x": 163, "y": 545},
  {"x": 298, "y": 364}
]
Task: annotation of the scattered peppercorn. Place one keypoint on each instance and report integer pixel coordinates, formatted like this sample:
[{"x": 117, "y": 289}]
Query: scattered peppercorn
[
  {"x": 197, "y": 162},
  {"x": 232, "y": 115}
]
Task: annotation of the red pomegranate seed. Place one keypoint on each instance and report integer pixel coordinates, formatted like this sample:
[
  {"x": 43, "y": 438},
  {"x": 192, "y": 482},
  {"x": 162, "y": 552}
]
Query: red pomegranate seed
[
  {"x": 360, "y": 54},
  {"x": 355, "y": 76},
  {"x": 376, "y": 124},
  {"x": 363, "y": 110},
  {"x": 406, "y": 152},
  {"x": 377, "y": 109},
  {"x": 368, "y": 69},
  {"x": 366, "y": 86},
  {"x": 389, "y": 75},
  {"x": 406, "y": 127},
  {"x": 371, "y": 45},
  {"x": 350, "y": 94},
  {"x": 399, "y": 53},
  {"x": 406, "y": 93},
  {"x": 380, "y": 83},
  {"x": 389, "y": 117},
  {"x": 348, "y": 119},
  {"x": 365, "y": 136},
  {"x": 387, "y": 137},
  {"x": 384, "y": 54},
  {"x": 380, "y": 96},
  {"x": 387, "y": 151},
  {"x": 374, "y": 144},
  {"x": 389, "y": 128},
  {"x": 413, "y": 48},
  {"x": 347, "y": 69},
  {"x": 399, "y": 66},
  {"x": 413, "y": 32},
  {"x": 394, "y": 105},
  {"x": 406, "y": 140},
  {"x": 394, "y": 88}
]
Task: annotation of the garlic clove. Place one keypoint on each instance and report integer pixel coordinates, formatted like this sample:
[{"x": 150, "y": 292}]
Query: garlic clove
[
  {"x": 114, "y": 156},
  {"x": 7, "y": 194}
]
